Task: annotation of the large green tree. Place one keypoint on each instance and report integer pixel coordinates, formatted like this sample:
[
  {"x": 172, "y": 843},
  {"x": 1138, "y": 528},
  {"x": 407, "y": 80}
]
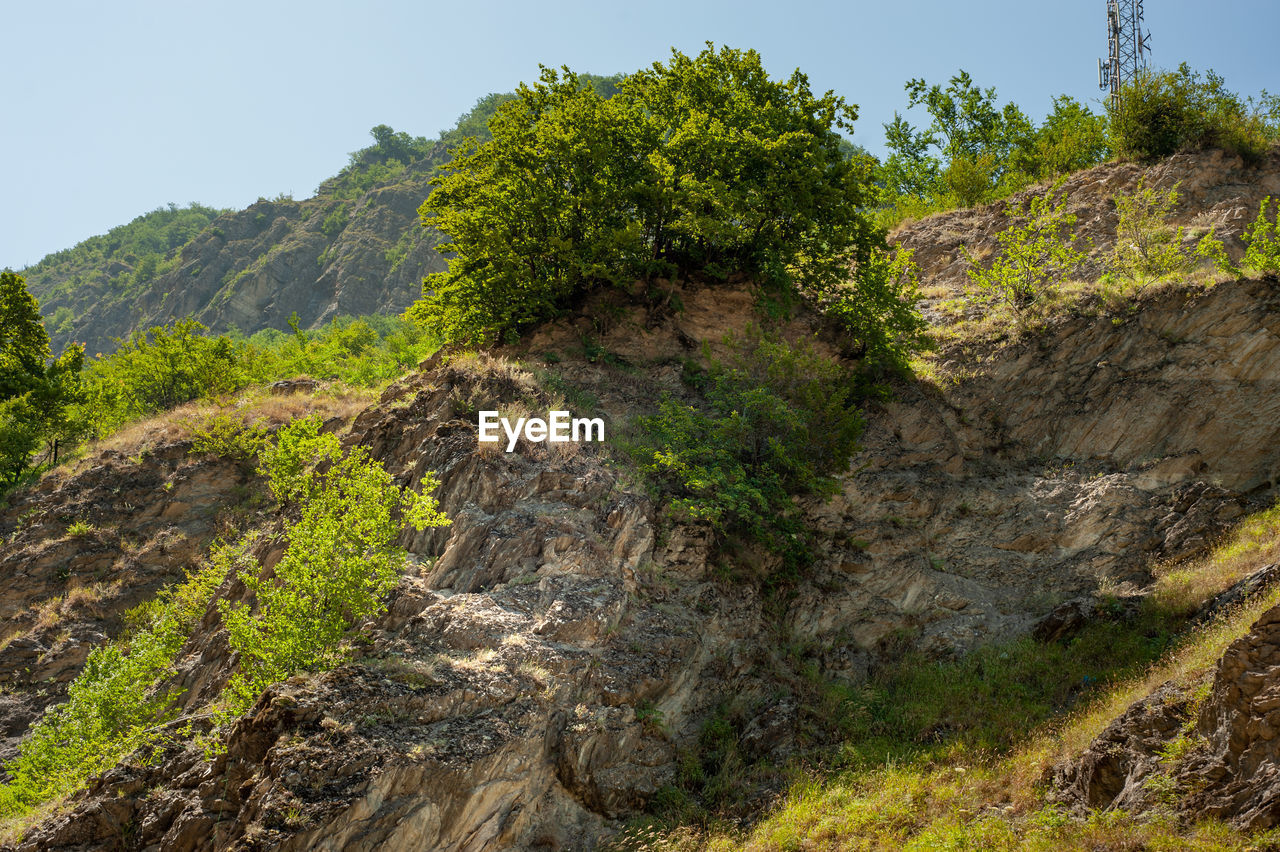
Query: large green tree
[
  {"x": 702, "y": 165},
  {"x": 34, "y": 392},
  {"x": 975, "y": 150}
]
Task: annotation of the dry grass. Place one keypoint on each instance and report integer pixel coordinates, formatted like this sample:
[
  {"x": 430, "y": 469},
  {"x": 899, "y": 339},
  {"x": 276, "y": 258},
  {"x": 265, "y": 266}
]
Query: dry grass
[
  {"x": 480, "y": 661},
  {"x": 254, "y": 406},
  {"x": 13, "y": 829}
]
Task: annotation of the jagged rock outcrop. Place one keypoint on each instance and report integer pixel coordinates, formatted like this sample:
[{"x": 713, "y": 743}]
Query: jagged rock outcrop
[
  {"x": 1228, "y": 766},
  {"x": 522, "y": 691}
]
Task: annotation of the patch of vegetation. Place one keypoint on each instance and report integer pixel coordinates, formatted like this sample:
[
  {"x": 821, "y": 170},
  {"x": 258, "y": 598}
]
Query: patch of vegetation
[
  {"x": 117, "y": 704},
  {"x": 226, "y": 435},
  {"x": 140, "y": 251},
  {"x": 340, "y": 562},
  {"x": 1262, "y": 241},
  {"x": 157, "y": 370},
  {"x": 1262, "y": 245},
  {"x": 702, "y": 166},
  {"x": 779, "y": 421},
  {"x": 1147, "y": 249},
  {"x": 338, "y": 565},
  {"x": 1164, "y": 112},
  {"x": 975, "y": 151},
  {"x": 1035, "y": 254}
]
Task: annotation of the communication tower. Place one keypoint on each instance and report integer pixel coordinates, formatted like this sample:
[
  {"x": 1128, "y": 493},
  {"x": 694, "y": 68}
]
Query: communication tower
[{"x": 1127, "y": 47}]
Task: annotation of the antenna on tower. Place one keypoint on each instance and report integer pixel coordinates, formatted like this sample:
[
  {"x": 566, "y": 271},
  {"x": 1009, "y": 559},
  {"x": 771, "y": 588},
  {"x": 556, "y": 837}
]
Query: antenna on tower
[{"x": 1127, "y": 47}]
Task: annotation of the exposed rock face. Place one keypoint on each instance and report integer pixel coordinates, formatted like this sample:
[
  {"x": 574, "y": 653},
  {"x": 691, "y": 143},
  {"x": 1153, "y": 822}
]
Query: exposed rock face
[
  {"x": 549, "y": 654},
  {"x": 1062, "y": 463},
  {"x": 1231, "y": 771},
  {"x": 323, "y": 258},
  {"x": 520, "y": 693},
  {"x": 1235, "y": 775}
]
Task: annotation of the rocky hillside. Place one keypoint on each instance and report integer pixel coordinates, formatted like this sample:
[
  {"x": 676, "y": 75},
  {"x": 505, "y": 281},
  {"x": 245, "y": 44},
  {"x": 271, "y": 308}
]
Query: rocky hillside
[
  {"x": 552, "y": 659},
  {"x": 331, "y": 255}
]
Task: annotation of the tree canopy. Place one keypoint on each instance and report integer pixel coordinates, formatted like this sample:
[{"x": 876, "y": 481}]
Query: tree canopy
[
  {"x": 34, "y": 392},
  {"x": 700, "y": 166}
]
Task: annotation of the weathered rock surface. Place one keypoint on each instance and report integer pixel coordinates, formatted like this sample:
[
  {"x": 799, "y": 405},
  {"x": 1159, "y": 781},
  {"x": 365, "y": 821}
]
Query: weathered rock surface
[{"x": 1228, "y": 766}]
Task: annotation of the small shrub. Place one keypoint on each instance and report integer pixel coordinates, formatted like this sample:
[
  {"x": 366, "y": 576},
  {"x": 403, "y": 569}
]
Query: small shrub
[
  {"x": 228, "y": 436},
  {"x": 160, "y": 369},
  {"x": 115, "y": 705},
  {"x": 779, "y": 421},
  {"x": 340, "y": 561},
  {"x": 1034, "y": 255},
  {"x": 80, "y": 528},
  {"x": 1262, "y": 241},
  {"x": 1262, "y": 245},
  {"x": 1147, "y": 248}
]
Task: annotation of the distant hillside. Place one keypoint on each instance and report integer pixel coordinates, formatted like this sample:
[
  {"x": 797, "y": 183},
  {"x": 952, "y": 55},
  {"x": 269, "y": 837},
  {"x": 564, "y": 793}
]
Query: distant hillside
[{"x": 355, "y": 248}]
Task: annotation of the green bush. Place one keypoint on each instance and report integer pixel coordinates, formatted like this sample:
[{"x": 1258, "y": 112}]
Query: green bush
[
  {"x": 340, "y": 562},
  {"x": 779, "y": 421},
  {"x": 1147, "y": 248},
  {"x": 228, "y": 436},
  {"x": 975, "y": 151},
  {"x": 1262, "y": 241},
  {"x": 1034, "y": 254},
  {"x": 702, "y": 166},
  {"x": 160, "y": 369},
  {"x": 1163, "y": 112}
]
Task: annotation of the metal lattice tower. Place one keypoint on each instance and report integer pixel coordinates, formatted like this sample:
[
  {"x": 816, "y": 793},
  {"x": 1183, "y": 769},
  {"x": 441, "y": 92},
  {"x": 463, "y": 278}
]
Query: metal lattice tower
[{"x": 1127, "y": 47}]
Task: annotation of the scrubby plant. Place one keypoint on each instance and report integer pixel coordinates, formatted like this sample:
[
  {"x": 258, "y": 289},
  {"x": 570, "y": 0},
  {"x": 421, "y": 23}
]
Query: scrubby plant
[
  {"x": 228, "y": 436},
  {"x": 976, "y": 151},
  {"x": 1262, "y": 241},
  {"x": 1147, "y": 247},
  {"x": 1035, "y": 254},
  {"x": 339, "y": 564},
  {"x": 1163, "y": 112},
  {"x": 779, "y": 421},
  {"x": 159, "y": 369},
  {"x": 1262, "y": 245}
]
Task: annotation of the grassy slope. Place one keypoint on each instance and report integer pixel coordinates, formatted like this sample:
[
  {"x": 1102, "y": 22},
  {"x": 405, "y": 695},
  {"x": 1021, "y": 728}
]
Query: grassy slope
[{"x": 952, "y": 755}]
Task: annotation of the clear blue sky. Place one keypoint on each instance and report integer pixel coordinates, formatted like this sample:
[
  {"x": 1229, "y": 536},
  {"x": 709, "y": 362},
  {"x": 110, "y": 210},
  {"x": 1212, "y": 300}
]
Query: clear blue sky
[{"x": 113, "y": 109}]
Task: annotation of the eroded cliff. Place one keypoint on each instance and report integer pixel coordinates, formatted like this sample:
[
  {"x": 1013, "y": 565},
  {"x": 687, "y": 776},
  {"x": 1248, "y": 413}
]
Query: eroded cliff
[{"x": 553, "y": 655}]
